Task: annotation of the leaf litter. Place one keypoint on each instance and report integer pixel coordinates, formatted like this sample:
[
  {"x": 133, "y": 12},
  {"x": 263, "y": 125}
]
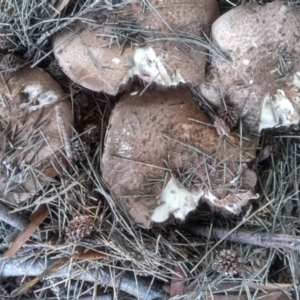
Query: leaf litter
[{"x": 118, "y": 257}]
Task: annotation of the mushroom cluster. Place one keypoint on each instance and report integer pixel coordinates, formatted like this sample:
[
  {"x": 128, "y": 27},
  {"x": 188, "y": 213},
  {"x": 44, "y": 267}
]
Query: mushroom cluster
[{"x": 162, "y": 154}]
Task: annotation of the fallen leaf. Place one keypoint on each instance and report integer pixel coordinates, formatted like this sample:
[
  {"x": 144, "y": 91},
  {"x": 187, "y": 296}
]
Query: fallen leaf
[
  {"x": 177, "y": 286},
  {"x": 83, "y": 253},
  {"x": 53, "y": 168},
  {"x": 36, "y": 219}
]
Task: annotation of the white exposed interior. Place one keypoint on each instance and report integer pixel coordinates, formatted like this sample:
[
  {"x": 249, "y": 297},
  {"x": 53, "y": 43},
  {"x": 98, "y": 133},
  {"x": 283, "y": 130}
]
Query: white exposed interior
[
  {"x": 278, "y": 111},
  {"x": 175, "y": 200},
  {"x": 150, "y": 68},
  {"x": 38, "y": 97},
  {"x": 296, "y": 80}
]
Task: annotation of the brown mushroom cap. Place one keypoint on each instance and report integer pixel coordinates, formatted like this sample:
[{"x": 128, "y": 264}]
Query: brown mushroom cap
[
  {"x": 262, "y": 46},
  {"x": 27, "y": 109},
  {"x": 152, "y": 136},
  {"x": 160, "y": 43}
]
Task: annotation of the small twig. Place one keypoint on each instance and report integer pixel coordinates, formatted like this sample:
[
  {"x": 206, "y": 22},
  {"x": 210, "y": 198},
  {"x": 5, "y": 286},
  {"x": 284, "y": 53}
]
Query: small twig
[
  {"x": 268, "y": 240},
  {"x": 137, "y": 286},
  {"x": 15, "y": 220}
]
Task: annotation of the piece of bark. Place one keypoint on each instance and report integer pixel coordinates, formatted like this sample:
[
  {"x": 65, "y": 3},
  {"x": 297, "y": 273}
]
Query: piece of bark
[{"x": 36, "y": 219}]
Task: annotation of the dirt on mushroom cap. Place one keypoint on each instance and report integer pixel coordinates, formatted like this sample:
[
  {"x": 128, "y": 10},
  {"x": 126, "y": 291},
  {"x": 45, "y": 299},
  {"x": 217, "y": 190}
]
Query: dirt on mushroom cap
[
  {"x": 160, "y": 43},
  {"x": 154, "y": 135}
]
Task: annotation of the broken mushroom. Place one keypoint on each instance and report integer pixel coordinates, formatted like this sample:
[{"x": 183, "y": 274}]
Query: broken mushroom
[
  {"x": 261, "y": 75},
  {"x": 160, "y": 42},
  {"x": 29, "y": 102},
  {"x": 163, "y": 155}
]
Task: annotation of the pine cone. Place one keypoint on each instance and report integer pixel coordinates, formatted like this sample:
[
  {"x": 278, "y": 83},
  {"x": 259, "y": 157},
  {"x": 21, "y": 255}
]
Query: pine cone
[
  {"x": 55, "y": 70},
  {"x": 3, "y": 293},
  {"x": 81, "y": 99},
  {"x": 92, "y": 133},
  {"x": 79, "y": 227},
  {"x": 10, "y": 62},
  {"x": 226, "y": 262},
  {"x": 230, "y": 115},
  {"x": 80, "y": 150}
]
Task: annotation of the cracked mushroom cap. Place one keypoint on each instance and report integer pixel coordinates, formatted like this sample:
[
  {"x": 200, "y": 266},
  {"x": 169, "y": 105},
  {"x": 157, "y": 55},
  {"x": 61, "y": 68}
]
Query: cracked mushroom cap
[
  {"x": 158, "y": 161},
  {"x": 262, "y": 74},
  {"x": 160, "y": 44},
  {"x": 29, "y": 100}
]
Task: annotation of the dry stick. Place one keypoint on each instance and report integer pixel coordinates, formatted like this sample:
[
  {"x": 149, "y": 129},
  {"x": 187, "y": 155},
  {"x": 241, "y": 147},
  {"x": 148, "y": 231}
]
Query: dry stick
[
  {"x": 229, "y": 232},
  {"x": 15, "y": 220},
  {"x": 269, "y": 240},
  {"x": 36, "y": 218},
  {"x": 137, "y": 286}
]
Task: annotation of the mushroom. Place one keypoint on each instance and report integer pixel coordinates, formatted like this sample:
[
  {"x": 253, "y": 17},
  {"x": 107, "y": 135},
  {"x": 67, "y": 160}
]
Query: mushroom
[
  {"x": 161, "y": 42},
  {"x": 261, "y": 75},
  {"x": 163, "y": 155},
  {"x": 28, "y": 104}
]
